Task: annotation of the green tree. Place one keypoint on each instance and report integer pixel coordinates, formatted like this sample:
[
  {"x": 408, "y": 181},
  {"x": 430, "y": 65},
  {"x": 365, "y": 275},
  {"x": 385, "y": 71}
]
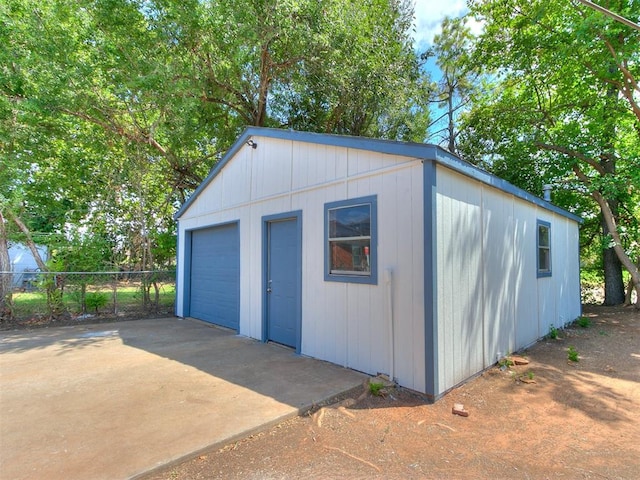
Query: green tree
[
  {"x": 458, "y": 81},
  {"x": 565, "y": 108},
  {"x": 112, "y": 111}
]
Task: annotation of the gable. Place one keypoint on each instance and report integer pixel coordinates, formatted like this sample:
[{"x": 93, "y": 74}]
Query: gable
[{"x": 265, "y": 161}]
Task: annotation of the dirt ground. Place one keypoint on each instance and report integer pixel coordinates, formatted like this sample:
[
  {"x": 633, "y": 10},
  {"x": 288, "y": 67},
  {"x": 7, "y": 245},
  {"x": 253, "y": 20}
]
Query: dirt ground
[{"x": 574, "y": 420}]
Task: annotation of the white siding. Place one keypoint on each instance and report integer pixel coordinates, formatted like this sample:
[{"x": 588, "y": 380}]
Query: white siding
[
  {"x": 459, "y": 278},
  {"x": 500, "y": 274},
  {"x": 344, "y": 323},
  {"x": 525, "y": 288},
  {"x": 490, "y": 299}
]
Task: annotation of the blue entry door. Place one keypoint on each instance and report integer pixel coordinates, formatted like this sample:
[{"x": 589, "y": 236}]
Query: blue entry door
[{"x": 283, "y": 281}]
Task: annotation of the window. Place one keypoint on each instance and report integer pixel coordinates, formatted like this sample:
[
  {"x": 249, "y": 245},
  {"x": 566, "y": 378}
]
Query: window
[
  {"x": 544, "y": 249},
  {"x": 350, "y": 240}
]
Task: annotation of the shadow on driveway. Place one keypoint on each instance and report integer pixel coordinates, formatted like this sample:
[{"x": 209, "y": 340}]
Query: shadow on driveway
[{"x": 117, "y": 400}]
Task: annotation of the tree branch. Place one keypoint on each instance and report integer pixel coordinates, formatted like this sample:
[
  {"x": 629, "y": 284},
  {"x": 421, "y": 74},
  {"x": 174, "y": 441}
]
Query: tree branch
[{"x": 573, "y": 153}]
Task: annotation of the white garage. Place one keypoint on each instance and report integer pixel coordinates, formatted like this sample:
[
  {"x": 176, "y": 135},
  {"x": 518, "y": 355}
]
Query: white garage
[{"x": 384, "y": 257}]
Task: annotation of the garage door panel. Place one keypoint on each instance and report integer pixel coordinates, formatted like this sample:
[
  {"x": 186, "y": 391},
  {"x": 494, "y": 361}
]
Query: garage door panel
[{"x": 215, "y": 275}]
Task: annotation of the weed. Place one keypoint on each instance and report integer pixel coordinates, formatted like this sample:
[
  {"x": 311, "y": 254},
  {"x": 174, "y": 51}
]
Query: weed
[
  {"x": 505, "y": 362},
  {"x": 572, "y": 354},
  {"x": 553, "y": 332},
  {"x": 376, "y": 389},
  {"x": 530, "y": 375},
  {"x": 583, "y": 322},
  {"x": 95, "y": 300}
]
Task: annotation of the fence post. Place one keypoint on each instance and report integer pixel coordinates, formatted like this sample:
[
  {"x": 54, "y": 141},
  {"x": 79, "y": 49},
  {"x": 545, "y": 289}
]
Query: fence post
[{"x": 114, "y": 287}]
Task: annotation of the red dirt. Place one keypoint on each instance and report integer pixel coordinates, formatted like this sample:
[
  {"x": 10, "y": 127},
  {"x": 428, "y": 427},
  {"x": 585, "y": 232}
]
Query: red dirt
[{"x": 552, "y": 418}]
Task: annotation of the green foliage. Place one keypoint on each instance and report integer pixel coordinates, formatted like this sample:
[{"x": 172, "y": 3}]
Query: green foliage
[
  {"x": 583, "y": 322},
  {"x": 553, "y": 333},
  {"x": 458, "y": 82},
  {"x": 96, "y": 300},
  {"x": 376, "y": 388},
  {"x": 562, "y": 109},
  {"x": 112, "y": 113},
  {"x": 505, "y": 362},
  {"x": 572, "y": 354}
]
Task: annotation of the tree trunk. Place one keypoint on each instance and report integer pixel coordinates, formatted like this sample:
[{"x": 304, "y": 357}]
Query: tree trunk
[
  {"x": 610, "y": 220},
  {"x": 612, "y": 266},
  {"x": 30, "y": 243},
  {"x": 613, "y": 282},
  {"x": 5, "y": 278},
  {"x": 260, "y": 114},
  {"x": 451, "y": 126}
]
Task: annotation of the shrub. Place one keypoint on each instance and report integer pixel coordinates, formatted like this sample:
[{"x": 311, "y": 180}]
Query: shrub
[{"x": 96, "y": 300}]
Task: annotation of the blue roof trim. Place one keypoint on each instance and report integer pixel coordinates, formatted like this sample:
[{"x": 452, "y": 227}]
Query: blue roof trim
[{"x": 422, "y": 151}]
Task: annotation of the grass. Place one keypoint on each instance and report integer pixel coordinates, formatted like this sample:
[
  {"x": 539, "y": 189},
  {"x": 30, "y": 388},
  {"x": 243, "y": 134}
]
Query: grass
[{"x": 27, "y": 304}]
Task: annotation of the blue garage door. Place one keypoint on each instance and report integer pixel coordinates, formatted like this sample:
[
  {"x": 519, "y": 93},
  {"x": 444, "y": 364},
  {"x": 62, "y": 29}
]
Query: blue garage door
[{"x": 215, "y": 275}]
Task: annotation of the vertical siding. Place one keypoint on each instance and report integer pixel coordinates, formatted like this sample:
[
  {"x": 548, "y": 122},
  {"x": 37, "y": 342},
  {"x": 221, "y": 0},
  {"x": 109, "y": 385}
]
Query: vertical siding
[
  {"x": 490, "y": 299},
  {"x": 459, "y": 274},
  {"x": 318, "y": 165},
  {"x": 559, "y": 295},
  {"x": 525, "y": 288},
  {"x": 271, "y": 169},
  {"x": 324, "y": 327},
  {"x": 499, "y": 274},
  {"x": 364, "y": 161},
  {"x": 347, "y": 323}
]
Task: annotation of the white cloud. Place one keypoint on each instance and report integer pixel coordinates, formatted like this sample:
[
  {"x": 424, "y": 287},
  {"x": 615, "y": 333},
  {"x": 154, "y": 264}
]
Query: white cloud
[{"x": 428, "y": 18}]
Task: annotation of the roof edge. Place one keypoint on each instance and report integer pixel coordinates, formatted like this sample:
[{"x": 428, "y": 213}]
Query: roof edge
[{"x": 423, "y": 151}]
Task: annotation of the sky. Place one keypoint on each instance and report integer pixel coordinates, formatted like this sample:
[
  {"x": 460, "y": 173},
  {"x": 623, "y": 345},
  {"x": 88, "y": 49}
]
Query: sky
[{"x": 429, "y": 15}]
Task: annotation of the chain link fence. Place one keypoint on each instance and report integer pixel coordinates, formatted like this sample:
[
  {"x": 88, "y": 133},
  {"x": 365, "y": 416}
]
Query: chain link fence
[{"x": 62, "y": 298}]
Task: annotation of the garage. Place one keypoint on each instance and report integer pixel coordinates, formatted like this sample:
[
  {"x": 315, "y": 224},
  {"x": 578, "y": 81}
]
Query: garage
[
  {"x": 215, "y": 263},
  {"x": 384, "y": 257}
]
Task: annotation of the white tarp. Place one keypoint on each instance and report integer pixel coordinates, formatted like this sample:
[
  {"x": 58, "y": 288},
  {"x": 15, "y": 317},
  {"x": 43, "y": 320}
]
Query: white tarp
[{"x": 23, "y": 264}]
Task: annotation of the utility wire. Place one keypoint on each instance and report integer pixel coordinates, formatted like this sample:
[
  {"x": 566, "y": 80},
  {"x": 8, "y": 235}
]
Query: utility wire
[{"x": 609, "y": 13}]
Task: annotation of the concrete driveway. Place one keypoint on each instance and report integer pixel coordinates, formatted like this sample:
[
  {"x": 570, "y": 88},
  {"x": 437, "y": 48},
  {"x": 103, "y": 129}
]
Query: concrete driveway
[{"x": 113, "y": 401}]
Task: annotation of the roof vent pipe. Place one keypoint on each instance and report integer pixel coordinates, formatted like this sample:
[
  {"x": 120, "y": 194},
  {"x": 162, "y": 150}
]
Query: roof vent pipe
[{"x": 546, "y": 189}]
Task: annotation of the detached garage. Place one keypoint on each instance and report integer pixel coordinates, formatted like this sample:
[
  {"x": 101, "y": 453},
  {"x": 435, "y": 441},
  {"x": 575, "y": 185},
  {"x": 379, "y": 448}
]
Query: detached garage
[{"x": 383, "y": 257}]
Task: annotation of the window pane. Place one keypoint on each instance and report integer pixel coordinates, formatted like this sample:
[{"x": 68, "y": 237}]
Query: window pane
[
  {"x": 350, "y": 221},
  {"x": 350, "y": 256},
  {"x": 543, "y": 236},
  {"x": 543, "y": 260}
]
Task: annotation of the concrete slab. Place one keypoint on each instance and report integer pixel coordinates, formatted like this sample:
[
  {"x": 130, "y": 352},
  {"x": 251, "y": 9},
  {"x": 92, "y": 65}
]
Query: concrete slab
[{"x": 116, "y": 400}]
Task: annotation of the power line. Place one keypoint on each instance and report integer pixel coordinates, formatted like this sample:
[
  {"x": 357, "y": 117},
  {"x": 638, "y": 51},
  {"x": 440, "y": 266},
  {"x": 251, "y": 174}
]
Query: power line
[{"x": 609, "y": 13}]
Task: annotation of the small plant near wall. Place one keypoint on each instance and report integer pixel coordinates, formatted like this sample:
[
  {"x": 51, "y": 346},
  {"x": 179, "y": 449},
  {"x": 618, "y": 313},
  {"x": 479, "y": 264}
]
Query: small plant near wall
[
  {"x": 572, "y": 354},
  {"x": 376, "y": 389},
  {"x": 583, "y": 322},
  {"x": 553, "y": 333},
  {"x": 505, "y": 362}
]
